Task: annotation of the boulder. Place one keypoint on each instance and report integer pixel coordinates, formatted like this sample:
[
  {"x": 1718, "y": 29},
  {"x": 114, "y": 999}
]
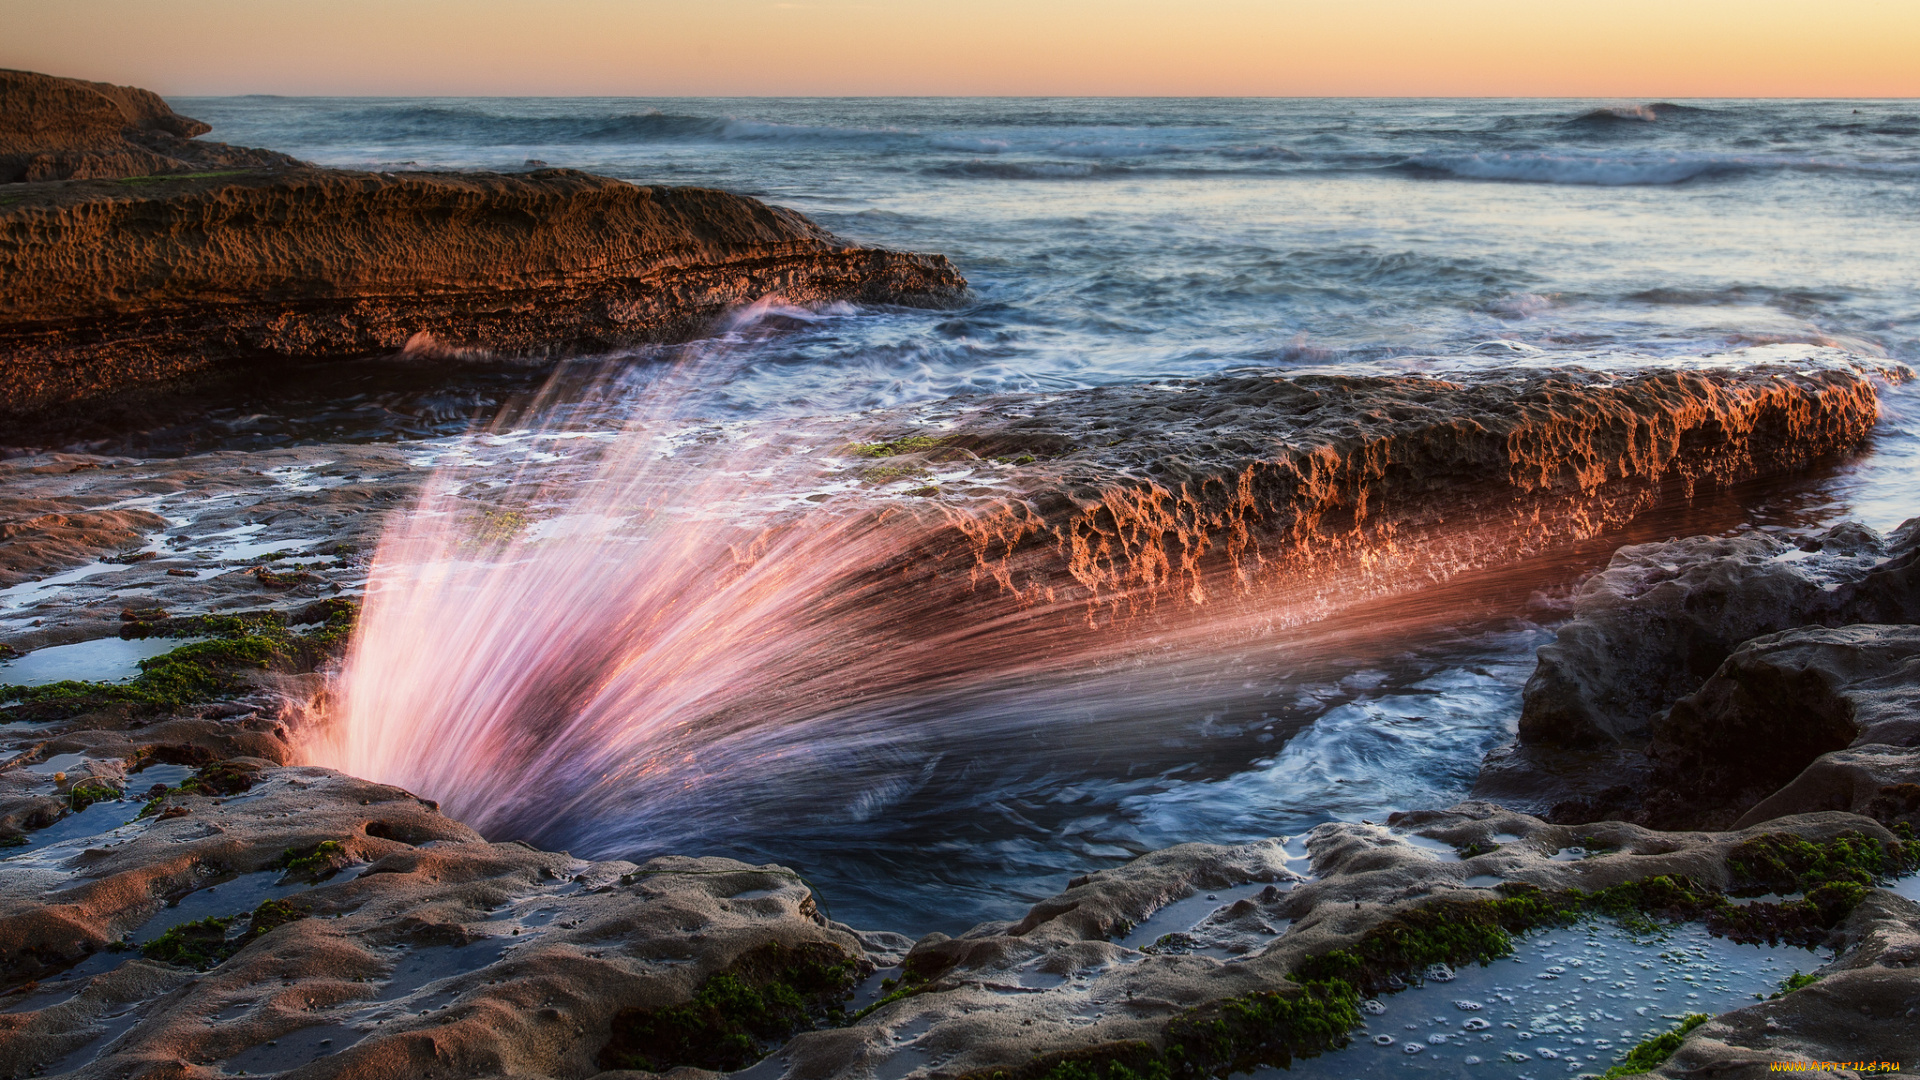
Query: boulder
[
  {"x": 1778, "y": 703},
  {"x": 1661, "y": 618}
]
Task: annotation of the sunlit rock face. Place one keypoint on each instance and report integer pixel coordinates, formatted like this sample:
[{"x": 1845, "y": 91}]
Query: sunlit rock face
[
  {"x": 69, "y": 129},
  {"x": 161, "y": 257},
  {"x": 670, "y": 636},
  {"x": 1200, "y": 488}
]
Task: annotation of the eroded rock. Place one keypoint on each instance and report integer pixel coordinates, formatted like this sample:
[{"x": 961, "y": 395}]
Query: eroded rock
[
  {"x": 1778, "y": 703},
  {"x": 1661, "y": 618},
  {"x": 417, "y": 943},
  {"x": 134, "y": 261},
  {"x": 1123, "y": 498},
  {"x": 65, "y": 129}
]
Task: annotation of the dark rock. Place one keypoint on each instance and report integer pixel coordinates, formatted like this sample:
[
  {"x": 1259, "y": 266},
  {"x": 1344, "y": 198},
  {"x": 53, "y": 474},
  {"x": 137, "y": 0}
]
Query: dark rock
[
  {"x": 1661, "y": 618},
  {"x": 1880, "y": 782},
  {"x": 1779, "y": 702}
]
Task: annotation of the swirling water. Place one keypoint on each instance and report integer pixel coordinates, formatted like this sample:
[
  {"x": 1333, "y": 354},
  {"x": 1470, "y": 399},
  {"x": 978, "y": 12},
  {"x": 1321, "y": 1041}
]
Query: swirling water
[{"x": 1112, "y": 241}]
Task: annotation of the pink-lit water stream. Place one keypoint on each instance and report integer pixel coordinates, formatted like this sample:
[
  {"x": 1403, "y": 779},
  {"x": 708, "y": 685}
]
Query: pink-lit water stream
[{"x": 686, "y": 636}]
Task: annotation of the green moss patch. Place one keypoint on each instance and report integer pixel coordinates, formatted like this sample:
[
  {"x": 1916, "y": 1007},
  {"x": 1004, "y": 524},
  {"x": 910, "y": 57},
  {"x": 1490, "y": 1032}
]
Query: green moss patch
[
  {"x": 1791, "y": 983},
  {"x": 213, "y": 780},
  {"x": 1785, "y": 863},
  {"x": 198, "y": 945},
  {"x": 87, "y": 792},
  {"x": 201, "y": 670},
  {"x": 887, "y": 474},
  {"x": 219, "y": 778},
  {"x": 906, "y": 444},
  {"x": 163, "y": 178},
  {"x": 1654, "y": 1053},
  {"x": 208, "y": 942},
  {"x": 319, "y": 861},
  {"x": 739, "y": 1016}
]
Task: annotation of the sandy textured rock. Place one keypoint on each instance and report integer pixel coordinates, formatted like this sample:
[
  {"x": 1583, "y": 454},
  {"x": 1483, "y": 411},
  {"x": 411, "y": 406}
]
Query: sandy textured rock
[
  {"x": 1062, "y": 979},
  {"x": 1882, "y": 782},
  {"x": 59, "y": 129},
  {"x": 431, "y": 949}
]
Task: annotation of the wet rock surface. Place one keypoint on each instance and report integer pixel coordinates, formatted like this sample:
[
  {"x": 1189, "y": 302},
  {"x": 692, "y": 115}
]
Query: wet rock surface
[
  {"x": 1698, "y": 678},
  {"x": 1206, "y": 490},
  {"x": 1654, "y": 625},
  {"x": 363, "y": 934},
  {"x": 415, "y": 946},
  {"x": 110, "y": 285},
  {"x": 360, "y": 932},
  {"x": 93, "y": 546}
]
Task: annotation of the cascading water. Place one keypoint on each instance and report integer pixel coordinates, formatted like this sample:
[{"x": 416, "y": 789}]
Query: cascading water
[
  {"x": 678, "y": 635},
  {"x": 678, "y": 631},
  {"x": 675, "y": 602}
]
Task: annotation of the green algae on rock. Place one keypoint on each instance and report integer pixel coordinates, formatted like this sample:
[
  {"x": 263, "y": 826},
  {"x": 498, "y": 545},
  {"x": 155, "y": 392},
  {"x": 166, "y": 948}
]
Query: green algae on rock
[
  {"x": 740, "y": 1014},
  {"x": 1654, "y": 1052}
]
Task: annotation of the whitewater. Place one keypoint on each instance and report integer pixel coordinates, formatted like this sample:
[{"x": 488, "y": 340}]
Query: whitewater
[{"x": 1108, "y": 242}]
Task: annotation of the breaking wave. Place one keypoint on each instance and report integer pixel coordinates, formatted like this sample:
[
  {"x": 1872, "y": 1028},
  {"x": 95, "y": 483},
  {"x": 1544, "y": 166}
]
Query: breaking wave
[
  {"x": 1615, "y": 115},
  {"x": 1623, "y": 170}
]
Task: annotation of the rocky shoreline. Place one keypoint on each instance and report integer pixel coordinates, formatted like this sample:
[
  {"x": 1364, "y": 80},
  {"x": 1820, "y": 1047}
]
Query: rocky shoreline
[
  {"x": 1721, "y": 736},
  {"x": 136, "y": 273},
  {"x": 361, "y": 916}
]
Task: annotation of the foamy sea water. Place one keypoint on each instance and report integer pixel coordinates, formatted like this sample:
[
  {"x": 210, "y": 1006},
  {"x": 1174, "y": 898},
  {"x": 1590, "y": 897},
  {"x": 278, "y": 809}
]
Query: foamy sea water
[{"x": 1111, "y": 241}]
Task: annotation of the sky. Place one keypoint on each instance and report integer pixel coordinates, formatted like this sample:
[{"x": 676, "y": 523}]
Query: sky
[{"x": 1547, "y": 48}]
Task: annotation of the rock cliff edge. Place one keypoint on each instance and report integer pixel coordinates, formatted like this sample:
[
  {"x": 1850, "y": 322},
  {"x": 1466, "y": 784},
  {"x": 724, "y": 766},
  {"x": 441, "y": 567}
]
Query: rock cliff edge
[{"x": 133, "y": 256}]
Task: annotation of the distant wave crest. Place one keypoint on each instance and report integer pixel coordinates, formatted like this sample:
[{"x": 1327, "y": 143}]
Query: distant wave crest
[
  {"x": 1600, "y": 171},
  {"x": 1623, "y": 170},
  {"x": 1613, "y": 115}
]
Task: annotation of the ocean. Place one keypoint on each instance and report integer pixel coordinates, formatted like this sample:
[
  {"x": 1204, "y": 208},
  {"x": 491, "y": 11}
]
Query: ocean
[{"x": 1111, "y": 241}]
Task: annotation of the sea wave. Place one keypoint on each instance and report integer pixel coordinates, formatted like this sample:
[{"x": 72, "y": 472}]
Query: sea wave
[
  {"x": 1612, "y": 115},
  {"x": 1024, "y": 170},
  {"x": 768, "y": 130},
  {"x": 1579, "y": 169},
  {"x": 478, "y": 126},
  {"x": 1623, "y": 170}
]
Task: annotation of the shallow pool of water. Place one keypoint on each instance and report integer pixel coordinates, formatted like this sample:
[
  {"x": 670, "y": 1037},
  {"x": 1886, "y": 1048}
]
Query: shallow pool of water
[
  {"x": 102, "y": 660},
  {"x": 1567, "y": 1001}
]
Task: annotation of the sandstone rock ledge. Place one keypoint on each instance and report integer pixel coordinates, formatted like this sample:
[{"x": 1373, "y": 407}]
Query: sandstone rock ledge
[
  {"x": 237, "y": 915},
  {"x": 329, "y": 927},
  {"x": 1122, "y": 500},
  {"x": 122, "y": 281}
]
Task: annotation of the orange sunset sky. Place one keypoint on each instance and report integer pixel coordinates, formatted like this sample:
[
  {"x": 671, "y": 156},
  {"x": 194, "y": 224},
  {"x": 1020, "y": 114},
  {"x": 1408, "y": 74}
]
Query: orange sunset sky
[{"x": 1577, "y": 48}]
